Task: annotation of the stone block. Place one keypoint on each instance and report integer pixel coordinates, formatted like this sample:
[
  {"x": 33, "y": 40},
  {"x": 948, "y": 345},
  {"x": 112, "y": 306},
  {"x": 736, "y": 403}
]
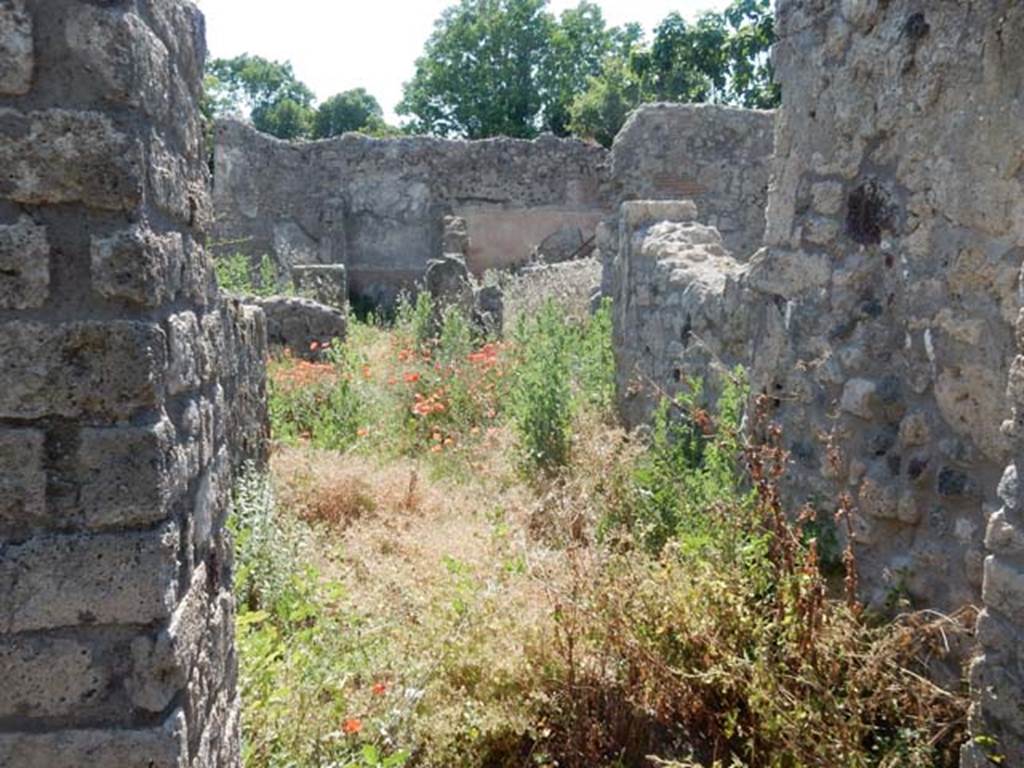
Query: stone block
[
  {"x": 61, "y": 581},
  {"x": 161, "y": 664},
  {"x": 50, "y": 677},
  {"x": 61, "y": 156},
  {"x": 637, "y": 213},
  {"x": 186, "y": 353},
  {"x": 161, "y": 747},
  {"x": 1004, "y": 588},
  {"x": 127, "y": 476},
  {"x": 95, "y": 369},
  {"x": 17, "y": 55},
  {"x": 324, "y": 283},
  {"x": 22, "y": 478},
  {"x": 24, "y": 265},
  {"x": 126, "y": 60},
  {"x": 295, "y": 323},
  {"x": 137, "y": 266}
]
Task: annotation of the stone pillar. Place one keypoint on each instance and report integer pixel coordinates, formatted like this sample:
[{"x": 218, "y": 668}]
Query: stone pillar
[
  {"x": 895, "y": 232},
  {"x": 116, "y": 616},
  {"x": 997, "y": 675}
]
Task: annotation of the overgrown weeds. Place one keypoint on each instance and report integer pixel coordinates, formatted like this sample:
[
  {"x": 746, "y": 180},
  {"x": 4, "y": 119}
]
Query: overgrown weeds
[{"x": 469, "y": 564}]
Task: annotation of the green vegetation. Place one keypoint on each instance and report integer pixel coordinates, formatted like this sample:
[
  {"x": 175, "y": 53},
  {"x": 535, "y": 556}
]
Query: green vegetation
[
  {"x": 238, "y": 273},
  {"x": 278, "y": 103},
  {"x": 459, "y": 559},
  {"x": 512, "y": 68},
  {"x": 509, "y": 67}
]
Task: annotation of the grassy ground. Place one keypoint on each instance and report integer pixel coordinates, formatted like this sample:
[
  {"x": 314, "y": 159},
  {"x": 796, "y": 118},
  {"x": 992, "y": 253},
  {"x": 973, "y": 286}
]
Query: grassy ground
[{"x": 458, "y": 559}]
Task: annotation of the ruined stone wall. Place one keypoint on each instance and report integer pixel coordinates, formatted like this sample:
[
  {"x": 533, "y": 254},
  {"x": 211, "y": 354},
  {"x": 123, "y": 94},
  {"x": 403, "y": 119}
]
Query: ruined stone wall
[
  {"x": 719, "y": 157},
  {"x": 118, "y": 377},
  {"x": 680, "y": 311},
  {"x": 377, "y": 205},
  {"x": 894, "y": 238}
]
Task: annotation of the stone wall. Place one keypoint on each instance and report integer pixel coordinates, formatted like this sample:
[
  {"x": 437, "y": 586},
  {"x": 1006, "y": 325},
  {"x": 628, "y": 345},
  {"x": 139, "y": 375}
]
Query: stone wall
[
  {"x": 378, "y": 205},
  {"x": 119, "y": 374},
  {"x": 680, "y": 310},
  {"x": 719, "y": 157},
  {"x": 895, "y": 234}
]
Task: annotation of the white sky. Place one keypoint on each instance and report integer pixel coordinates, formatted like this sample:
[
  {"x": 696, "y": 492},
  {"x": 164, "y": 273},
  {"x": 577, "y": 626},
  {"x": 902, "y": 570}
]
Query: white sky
[{"x": 335, "y": 45}]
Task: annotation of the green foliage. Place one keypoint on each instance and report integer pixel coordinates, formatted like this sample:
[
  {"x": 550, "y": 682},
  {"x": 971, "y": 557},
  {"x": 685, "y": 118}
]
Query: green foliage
[
  {"x": 477, "y": 75},
  {"x": 319, "y": 403},
  {"x": 280, "y": 104},
  {"x": 354, "y": 110},
  {"x": 415, "y": 317},
  {"x": 268, "y": 91},
  {"x": 691, "y": 467},
  {"x": 235, "y": 274},
  {"x": 579, "y": 43},
  {"x": 297, "y": 652},
  {"x": 721, "y": 58},
  {"x": 541, "y": 404}
]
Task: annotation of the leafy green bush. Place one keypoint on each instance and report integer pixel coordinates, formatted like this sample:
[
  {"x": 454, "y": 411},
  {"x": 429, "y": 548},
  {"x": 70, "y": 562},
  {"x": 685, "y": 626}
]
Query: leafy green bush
[
  {"x": 235, "y": 274},
  {"x": 541, "y": 399},
  {"x": 691, "y": 467}
]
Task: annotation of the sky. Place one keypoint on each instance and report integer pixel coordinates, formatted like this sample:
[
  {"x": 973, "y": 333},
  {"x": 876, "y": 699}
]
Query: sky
[{"x": 335, "y": 45}]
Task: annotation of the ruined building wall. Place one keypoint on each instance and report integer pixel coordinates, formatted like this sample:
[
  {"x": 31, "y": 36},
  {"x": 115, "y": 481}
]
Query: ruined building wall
[
  {"x": 719, "y": 157},
  {"x": 377, "y": 205},
  {"x": 118, "y": 378},
  {"x": 895, "y": 233}
]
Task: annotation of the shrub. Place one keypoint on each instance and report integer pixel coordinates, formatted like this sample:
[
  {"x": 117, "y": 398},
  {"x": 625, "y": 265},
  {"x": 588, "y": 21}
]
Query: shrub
[
  {"x": 235, "y": 274},
  {"x": 691, "y": 467},
  {"x": 541, "y": 401}
]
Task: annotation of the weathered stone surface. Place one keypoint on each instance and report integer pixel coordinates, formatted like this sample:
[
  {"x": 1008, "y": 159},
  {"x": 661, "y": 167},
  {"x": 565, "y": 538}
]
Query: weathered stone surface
[
  {"x": 17, "y": 59},
  {"x": 61, "y": 581},
  {"x": 678, "y": 310},
  {"x": 719, "y": 157},
  {"x": 137, "y": 265},
  {"x": 128, "y": 476},
  {"x": 60, "y": 156},
  {"x": 22, "y": 478},
  {"x": 449, "y": 284},
  {"x": 24, "y": 265},
  {"x": 50, "y": 677},
  {"x": 163, "y": 747},
  {"x": 323, "y": 283},
  {"x": 456, "y": 236},
  {"x": 79, "y": 368},
  {"x": 129, "y": 393},
  {"x": 379, "y": 205},
  {"x": 296, "y": 324}
]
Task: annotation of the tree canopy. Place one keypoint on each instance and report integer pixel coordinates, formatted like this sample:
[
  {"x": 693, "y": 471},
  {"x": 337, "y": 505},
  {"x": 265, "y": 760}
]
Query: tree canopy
[
  {"x": 509, "y": 67},
  {"x": 278, "y": 103},
  {"x": 512, "y": 68}
]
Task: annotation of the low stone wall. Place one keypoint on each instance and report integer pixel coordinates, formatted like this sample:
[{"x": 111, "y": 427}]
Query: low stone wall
[
  {"x": 717, "y": 157},
  {"x": 118, "y": 367},
  {"x": 679, "y": 310},
  {"x": 378, "y": 205}
]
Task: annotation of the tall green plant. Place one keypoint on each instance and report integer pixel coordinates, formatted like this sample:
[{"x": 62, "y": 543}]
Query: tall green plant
[{"x": 541, "y": 398}]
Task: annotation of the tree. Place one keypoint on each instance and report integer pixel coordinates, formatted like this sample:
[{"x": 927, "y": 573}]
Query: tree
[
  {"x": 721, "y": 58},
  {"x": 354, "y": 110},
  {"x": 268, "y": 91},
  {"x": 478, "y": 75},
  {"x": 580, "y": 42}
]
